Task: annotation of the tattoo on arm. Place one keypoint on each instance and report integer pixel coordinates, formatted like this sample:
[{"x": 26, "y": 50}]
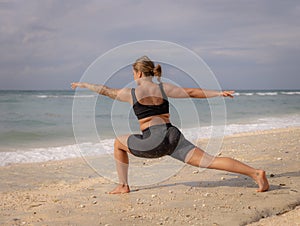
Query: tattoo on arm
[
  {"x": 103, "y": 90},
  {"x": 112, "y": 93}
]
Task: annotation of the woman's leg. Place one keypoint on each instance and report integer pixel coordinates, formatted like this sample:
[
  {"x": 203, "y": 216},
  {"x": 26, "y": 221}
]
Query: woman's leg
[
  {"x": 122, "y": 163},
  {"x": 199, "y": 158}
]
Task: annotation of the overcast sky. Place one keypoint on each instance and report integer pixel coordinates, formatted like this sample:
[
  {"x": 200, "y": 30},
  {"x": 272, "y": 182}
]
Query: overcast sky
[{"x": 247, "y": 44}]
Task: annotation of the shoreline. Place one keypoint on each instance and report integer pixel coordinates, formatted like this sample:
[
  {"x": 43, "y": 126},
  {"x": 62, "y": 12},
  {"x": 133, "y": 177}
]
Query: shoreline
[
  {"x": 71, "y": 192},
  {"x": 67, "y": 151}
]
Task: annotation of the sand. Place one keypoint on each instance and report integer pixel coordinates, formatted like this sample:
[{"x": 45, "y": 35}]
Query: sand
[{"x": 69, "y": 192}]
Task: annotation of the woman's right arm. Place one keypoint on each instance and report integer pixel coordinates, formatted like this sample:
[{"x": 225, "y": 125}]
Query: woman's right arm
[{"x": 117, "y": 94}]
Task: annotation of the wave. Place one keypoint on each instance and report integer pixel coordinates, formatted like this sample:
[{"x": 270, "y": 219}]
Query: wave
[
  {"x": 267, "y": 93},
  {"x": 243, "y": 94},
  {"x": 233, "y": 128},
  {"x": 66, "y": 96},
  {"x": 291, "y": 93},
  {"x": 105, "y": 146},
  {"x": 31, "y": 122},
  {"x": 56, "y": 153}
]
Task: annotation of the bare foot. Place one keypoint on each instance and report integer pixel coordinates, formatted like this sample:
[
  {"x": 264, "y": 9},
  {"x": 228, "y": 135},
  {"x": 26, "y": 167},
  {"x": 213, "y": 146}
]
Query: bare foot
[
  {"x": 120, "y": 189},
  {"x": 262, "y": 181}
]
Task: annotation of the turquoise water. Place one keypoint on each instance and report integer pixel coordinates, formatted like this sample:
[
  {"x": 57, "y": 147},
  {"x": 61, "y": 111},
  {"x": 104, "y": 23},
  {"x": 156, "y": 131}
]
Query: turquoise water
[{"x": 38, "y": 125}]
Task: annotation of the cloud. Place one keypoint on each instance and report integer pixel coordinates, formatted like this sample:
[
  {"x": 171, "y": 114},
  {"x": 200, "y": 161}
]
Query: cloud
[
  {"x": 253, "y": 31},
  {"x": 54, "y": 38}
]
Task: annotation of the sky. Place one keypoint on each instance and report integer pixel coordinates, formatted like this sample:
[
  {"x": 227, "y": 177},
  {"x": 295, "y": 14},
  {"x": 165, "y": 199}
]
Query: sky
[{"x": 247, "y": 44}]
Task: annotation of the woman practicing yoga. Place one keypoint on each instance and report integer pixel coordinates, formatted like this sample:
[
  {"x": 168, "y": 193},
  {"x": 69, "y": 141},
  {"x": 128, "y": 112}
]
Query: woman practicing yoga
[{"x": 159, "y": 137}]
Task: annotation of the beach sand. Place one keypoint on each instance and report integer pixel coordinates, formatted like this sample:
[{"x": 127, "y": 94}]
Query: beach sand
[{"x": 69, "y": 192}]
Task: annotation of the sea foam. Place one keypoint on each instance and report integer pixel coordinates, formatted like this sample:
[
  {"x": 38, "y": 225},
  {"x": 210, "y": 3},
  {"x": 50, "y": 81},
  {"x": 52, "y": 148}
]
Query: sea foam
[{"x": 105, "y": 146}]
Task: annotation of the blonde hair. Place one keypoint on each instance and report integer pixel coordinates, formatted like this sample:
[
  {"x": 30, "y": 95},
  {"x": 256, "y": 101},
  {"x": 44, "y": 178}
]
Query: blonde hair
[{"x": 146, "y": 66}]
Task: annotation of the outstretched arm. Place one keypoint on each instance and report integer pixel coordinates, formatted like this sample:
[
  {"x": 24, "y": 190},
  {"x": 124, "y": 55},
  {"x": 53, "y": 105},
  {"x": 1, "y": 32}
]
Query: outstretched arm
[
  {"x": 178, "y": 92},
  {"x": 203, "y": 93},
  {"x": 118, "y": 94}
]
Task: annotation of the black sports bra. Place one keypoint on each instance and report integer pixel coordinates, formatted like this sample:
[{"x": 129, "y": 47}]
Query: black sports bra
[{"x": 143, "y": 111}]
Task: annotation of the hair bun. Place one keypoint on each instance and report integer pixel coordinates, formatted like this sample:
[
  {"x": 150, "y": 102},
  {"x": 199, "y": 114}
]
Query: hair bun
[
  {"x": 157, "y": 70},
  {"x": 145, "y": 65}
]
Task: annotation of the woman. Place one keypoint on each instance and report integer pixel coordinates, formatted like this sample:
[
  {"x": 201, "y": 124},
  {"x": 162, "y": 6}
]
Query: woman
[{"x": 159, "y": 137}]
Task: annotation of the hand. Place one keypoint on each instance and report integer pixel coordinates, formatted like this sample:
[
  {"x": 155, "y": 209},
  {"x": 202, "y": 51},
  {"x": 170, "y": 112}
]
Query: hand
[
  {"x": 74, "y": 85},
  {"x": 227, "y": 94}
]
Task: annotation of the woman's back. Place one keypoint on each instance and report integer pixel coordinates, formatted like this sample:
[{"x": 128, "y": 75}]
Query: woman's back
[
  {"x": 149, "y": 94},
  {"x": 150, "y": 104}
]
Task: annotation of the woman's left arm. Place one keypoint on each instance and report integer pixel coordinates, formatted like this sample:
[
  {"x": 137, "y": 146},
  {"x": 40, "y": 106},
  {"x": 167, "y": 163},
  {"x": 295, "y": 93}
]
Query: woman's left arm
[
  {"x": 202, "y": 93},
  {"x": 178, "y": 92},
  {"x": 118, "y": 94}
]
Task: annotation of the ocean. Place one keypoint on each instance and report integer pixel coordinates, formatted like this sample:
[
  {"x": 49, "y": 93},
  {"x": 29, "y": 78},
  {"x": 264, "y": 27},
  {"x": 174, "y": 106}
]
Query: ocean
[{"x": 37, "y": 126}]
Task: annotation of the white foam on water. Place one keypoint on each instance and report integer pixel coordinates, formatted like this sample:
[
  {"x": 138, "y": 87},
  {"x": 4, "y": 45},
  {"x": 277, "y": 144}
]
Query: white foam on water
[
  {"x": 56, "y": 153},
  {"x": 291, "y": 93},
  {"x": 266, "y": 123},
  {"x": 264, "y": 93},
  {"x": 66, "y": 96},
  {"x": 105, "y": 146},
  {"x": 267, "y": 93},
  {"x": 243, "y": 94}
]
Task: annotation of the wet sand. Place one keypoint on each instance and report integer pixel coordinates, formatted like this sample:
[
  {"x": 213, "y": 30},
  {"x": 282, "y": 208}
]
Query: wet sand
[{"x": 70, "y": 192}]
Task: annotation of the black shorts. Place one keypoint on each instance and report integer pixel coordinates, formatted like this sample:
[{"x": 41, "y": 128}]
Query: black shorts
[{"x": 160, "y": 140}]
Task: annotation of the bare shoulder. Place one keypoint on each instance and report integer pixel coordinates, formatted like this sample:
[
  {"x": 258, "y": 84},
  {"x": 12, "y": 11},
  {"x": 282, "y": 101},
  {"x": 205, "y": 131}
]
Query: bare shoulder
[
  {"x": 174, "y": 91},
  {"x": 124, "y": 95},
  {"x": 169, "y": 87}
]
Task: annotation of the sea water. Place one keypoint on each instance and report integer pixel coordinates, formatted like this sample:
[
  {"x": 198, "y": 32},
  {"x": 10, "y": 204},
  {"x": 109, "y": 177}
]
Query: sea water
[{"x": 37, "y": 126}]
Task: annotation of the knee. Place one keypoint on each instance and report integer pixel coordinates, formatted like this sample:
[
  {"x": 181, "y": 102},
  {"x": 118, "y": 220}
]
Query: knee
[
  {"x": 120, "y": 143},
  {"x": 199, "y": 158},
  {"x": 193, "y": 158},
  {"x": 116, "y": 143},
  {"x": 206, "y": 160}
]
